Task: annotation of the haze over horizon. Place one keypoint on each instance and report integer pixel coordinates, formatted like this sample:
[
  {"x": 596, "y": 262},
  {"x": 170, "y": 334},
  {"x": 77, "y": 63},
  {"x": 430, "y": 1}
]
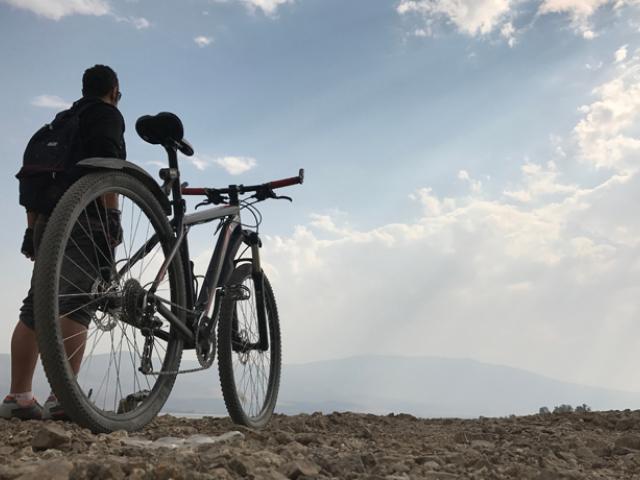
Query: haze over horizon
[
  {"x": 472, "y": 166},
  {"x": 426, "y": 387}
]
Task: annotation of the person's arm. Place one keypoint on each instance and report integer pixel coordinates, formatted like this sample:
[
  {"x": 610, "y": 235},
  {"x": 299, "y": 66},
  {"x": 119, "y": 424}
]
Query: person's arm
[
  {"x": 31, "y": 219},
  {"x": 28, "y": 247}
]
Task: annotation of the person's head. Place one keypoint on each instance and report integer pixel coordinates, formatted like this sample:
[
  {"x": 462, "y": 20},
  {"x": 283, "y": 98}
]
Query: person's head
[{"x": 101, "y": 81}]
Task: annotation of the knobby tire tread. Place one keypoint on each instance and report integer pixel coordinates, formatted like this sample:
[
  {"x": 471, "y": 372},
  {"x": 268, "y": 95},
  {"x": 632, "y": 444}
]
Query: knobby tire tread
[
  {"x": 225, "y": 354},
  {"x": 52, "y": 351}
]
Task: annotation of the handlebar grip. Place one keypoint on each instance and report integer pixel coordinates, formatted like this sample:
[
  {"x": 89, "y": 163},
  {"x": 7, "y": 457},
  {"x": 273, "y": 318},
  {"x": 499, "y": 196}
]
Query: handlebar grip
[{"x": 286, "y": 182}]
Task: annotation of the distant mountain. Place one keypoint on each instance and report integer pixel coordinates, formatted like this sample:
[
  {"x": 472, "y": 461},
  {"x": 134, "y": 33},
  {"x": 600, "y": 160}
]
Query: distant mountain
[
  {"x": 422, "y": 386},
  {"x": 434, "y": 387}
]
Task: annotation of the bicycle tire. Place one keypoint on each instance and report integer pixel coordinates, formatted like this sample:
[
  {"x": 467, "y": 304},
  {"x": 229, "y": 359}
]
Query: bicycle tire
[
  {"x": 78, "y": 404},
  {"x": 229, "y": 380}
]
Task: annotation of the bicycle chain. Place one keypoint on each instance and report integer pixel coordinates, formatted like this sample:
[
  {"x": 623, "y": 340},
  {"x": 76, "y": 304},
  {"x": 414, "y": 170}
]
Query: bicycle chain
[
  {"x": 189, "y": 370},
  {"x": 178, "y": 372}
]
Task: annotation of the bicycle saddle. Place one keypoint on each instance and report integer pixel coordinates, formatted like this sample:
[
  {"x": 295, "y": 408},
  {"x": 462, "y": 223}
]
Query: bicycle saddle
[{"x": 163, "y": 128}]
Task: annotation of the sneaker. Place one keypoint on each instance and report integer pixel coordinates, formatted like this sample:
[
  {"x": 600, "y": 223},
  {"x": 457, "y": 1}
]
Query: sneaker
[
  {"x": 53, "y": 410},
  {"x": 10, "y": 409}
]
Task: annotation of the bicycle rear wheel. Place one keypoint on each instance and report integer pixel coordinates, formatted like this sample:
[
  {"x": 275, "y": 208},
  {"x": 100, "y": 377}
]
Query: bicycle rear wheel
[
  {"x": 249, "y": 377},
  {"x": 96, "y": 328}
]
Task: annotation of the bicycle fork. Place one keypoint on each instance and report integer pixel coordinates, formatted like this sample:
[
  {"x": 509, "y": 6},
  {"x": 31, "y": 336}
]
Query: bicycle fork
[
  {"x": 257, "y": 276},
  {"x": 258, "y": 281}
]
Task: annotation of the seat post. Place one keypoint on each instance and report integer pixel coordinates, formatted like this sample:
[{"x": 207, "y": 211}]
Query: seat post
[
  {"x": 178, "y": 203},
  {"x": 172, "y": 153}
]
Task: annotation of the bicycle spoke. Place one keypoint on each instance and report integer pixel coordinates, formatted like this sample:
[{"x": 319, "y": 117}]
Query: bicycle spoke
[
  {"x": 110, "y": 351},
  {"x": 250, "y": 366}
]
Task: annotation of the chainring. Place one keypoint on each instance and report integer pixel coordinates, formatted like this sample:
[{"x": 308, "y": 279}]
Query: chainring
[{"x": 205, "y": 340}]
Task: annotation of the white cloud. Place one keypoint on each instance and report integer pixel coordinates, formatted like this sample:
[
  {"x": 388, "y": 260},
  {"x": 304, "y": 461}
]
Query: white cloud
[
  {"x": 484, "y": 17},
  {"x": 140, "y": 23},
  {"x": 56, "y": 9},
  {"x": 544, "y": 275},
  {"x": 203, "y": 41},
  {"x": 472, "y": 17},
  {"x": 581, "y": 11},
  {"x": 621, "y": 54},
  {"x": 50, "y": 101},
  {"x": 268, "y": 7},
  {"x": 234, "y": 165},
  {"x": 475, "y": 185},
  {"x": 156, "y": 163},
  {"x": 475, "y": 278},
  {"x": 576, "y": 8},
  {"x": 594, "y": 67},
  {"x": 604, "y": 135},
  {"x": 199, "y": 162},
  {"x": 508, "y": 32},
  {"x": 539, "y": 181}
]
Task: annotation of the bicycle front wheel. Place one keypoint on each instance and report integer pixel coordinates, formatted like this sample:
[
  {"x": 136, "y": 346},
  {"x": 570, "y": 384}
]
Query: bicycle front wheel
[
  {"x": 110, "y": 358},
  {"x": 249, "y": 376}
]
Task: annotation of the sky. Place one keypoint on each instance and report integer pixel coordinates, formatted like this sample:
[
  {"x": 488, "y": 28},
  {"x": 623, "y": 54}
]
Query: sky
[{"x": 472, "y": 165}]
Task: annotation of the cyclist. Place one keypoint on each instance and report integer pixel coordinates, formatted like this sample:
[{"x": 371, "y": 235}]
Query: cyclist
[{"x": 100, "y": 133}]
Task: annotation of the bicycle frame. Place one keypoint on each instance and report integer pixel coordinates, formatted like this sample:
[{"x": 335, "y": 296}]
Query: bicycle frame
[{"x": 207, "y": 301}]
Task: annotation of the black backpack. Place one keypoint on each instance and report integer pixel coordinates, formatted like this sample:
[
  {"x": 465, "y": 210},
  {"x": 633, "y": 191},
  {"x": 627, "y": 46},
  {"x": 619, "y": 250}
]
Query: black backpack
[{"x": 50, "y": 153}]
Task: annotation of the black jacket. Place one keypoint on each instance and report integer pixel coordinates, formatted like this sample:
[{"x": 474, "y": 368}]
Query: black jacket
[{"x": 101, "y": 131}]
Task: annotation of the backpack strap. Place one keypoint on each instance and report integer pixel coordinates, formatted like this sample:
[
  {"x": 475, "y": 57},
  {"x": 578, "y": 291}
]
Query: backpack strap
[{"x": 75, "y": 110}]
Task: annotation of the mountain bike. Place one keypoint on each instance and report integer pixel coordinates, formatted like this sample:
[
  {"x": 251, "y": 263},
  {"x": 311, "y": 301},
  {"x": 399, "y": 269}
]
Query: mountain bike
[{"x": 117, "y": 299}]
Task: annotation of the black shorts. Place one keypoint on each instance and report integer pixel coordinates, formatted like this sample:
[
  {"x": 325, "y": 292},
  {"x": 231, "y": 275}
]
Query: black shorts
[{"x": 81, "y": 273}]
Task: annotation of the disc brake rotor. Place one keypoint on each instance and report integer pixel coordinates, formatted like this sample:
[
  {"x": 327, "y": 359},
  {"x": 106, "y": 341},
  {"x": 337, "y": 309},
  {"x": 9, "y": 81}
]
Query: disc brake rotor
[{"x": 107, "y": 314}]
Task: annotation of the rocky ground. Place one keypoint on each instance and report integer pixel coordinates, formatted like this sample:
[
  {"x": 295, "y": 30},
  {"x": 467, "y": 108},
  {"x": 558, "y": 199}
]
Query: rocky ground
[{"x": 340, "y": 445}]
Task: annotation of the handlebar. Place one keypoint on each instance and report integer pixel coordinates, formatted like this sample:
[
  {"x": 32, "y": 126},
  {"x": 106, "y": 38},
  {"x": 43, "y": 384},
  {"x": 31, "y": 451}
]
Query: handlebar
[
  {"x": 286, "y": 182},
  {"x": 242, "y": 189}
]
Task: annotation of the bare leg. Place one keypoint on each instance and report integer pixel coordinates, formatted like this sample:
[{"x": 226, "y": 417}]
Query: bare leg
[
  {"x": 24, "y": 352},
  {"x": 74, "y": 336},
  {"x": 24, "y": 356}
]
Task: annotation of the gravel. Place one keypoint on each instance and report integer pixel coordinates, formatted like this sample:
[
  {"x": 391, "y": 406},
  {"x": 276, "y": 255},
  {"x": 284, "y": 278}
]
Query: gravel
[{"x": 340, "y": 445}]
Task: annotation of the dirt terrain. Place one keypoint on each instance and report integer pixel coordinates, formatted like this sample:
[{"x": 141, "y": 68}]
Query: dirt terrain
[{"x": 340, "y": 445}]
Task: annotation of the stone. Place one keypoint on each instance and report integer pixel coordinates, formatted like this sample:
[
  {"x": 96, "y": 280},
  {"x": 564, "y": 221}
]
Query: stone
[
  {"x": 629, "y": 440},
  {"x": 431, "y": 465},
  {"x": 284, "y": 437},
  {"x": 50, "y": 436},
  {"x": 299, "y": 468},
  {"x": 239, "y": 467},
  {"x": 105, "y": 469},
  {"x": 57, "y": 469},
  {"x": 167, "y": 471},
  {"x": 268, "y": 459},
  {"x": 6, "y": 450},
  {"x": 221, "y": 474},
  {"x": 369, "y": 460},
  {"x": 198, "y": 442},
  {"x": 482, "y": 444},
  {"x": 307, "y": 438},
  {"x": 461, "y": 437}
]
